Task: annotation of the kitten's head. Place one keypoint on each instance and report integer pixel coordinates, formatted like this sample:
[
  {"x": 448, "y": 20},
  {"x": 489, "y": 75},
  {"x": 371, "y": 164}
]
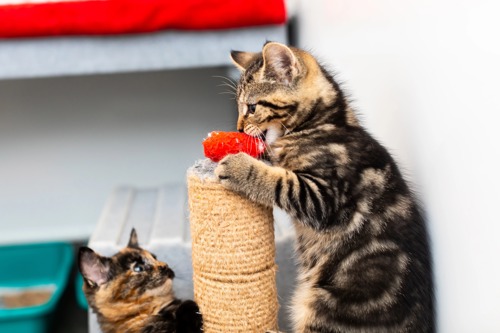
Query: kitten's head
[
  {"x": 130, "y": 277},
  {"x": 278, "y": 90}
]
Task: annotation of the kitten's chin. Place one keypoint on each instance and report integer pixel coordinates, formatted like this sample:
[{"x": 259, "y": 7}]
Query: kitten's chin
[
  {"x": 272, "y": 133},
  {"x": 164, "y": 289}
]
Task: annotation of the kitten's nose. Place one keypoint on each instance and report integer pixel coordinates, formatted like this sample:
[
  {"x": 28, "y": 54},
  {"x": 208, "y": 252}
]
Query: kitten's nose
[
  {"x": 167, "y": 271},
  {"x": 240, "y": 130}
]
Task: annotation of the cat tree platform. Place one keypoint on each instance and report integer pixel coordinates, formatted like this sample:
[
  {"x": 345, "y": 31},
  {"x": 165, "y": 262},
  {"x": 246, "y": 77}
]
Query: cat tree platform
[{"x": 160, "y": 216}]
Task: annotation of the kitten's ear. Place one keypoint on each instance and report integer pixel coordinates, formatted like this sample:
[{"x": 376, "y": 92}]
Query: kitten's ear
[
  {"x": 94, "y": 268},
  {"x": 280, "y": 63},
  {"x": 243, "y": 59},
  {"x": 133, "y": 241}
]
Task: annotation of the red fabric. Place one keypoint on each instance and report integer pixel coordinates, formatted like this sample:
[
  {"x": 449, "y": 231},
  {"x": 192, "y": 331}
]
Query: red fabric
[
  {"x": 101, "y": 17},
  {"x": 219, "y": 144}
]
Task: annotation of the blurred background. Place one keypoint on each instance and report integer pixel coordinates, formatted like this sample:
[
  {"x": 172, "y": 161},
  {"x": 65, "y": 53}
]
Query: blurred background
[{"x": 422, "y": 75}]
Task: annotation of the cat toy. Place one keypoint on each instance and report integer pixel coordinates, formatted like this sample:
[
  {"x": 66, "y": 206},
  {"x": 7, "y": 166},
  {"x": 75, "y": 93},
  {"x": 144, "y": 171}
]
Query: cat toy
[
  {"x": 233, "y": 249},
  {"x": 219, "y": 144}
]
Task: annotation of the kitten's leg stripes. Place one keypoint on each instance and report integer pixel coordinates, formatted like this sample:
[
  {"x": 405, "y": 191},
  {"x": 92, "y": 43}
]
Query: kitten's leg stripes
[{"x": 300, "y": 194}]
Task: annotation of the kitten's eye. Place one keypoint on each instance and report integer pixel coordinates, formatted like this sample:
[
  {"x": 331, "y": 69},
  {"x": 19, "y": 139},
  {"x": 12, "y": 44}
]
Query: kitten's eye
[
  {"x": 138, "y": 266},
  {"x": 251, "y": 108}
]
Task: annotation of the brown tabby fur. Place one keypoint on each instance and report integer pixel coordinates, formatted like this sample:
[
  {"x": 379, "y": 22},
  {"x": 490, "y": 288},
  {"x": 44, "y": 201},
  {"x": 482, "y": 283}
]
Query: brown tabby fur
[
  {"x": 126, "y": 300},
  {"x": 362, "y": 246}
]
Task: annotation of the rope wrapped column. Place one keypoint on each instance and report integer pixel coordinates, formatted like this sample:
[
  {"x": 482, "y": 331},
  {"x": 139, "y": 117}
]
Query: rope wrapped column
[{"x": 233, "y": 250}]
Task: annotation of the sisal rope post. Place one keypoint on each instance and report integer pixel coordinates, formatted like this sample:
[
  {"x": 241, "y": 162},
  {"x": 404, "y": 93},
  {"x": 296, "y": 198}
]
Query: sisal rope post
[{"x": 233, "y": 250}]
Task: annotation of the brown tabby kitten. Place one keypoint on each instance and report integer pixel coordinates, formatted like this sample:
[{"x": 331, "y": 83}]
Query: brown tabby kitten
[
  {"x": 132, "y": 292},
  {"x": 362, "y": 246}
]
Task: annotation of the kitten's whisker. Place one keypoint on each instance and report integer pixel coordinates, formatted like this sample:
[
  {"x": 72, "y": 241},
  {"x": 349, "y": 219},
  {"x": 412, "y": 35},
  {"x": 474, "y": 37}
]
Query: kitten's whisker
[
  {"x": 228, "y": 93},
  {"x": 229, "y": 84},
  {"x": 227, "y": 80},
  {"x": 266, "y": 147},
  {"x": 250, "y": 144},
  {"x": 225, "y": 84},
  {"x": 286, "y": 128},
  {"x": 254, "y": 145}
]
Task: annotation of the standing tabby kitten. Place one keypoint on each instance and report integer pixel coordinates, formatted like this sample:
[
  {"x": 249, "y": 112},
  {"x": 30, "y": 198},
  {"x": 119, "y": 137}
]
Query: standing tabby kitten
[
  {"x": 362, "y": 246},
  {"x": 132, "y": 292}
]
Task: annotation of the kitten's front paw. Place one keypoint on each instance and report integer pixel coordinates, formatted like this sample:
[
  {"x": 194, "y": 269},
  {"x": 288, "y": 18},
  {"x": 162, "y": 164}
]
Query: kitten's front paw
[
  {"x": 189, "y": 318},
  {"x": 233, "y": 171}
]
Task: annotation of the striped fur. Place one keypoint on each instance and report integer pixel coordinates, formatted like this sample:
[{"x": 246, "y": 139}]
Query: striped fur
[
  {"x": 362, "y": 245},
  {"x": 132, "y": 292}
]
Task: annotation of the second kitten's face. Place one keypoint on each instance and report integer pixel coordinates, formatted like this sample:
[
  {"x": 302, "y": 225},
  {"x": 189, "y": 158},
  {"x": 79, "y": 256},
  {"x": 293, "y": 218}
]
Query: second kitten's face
[{"x": 132, "y": 276}]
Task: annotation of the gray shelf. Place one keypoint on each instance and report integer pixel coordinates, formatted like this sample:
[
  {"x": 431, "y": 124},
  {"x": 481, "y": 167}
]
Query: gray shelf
[{"x": 61, "y": 56}]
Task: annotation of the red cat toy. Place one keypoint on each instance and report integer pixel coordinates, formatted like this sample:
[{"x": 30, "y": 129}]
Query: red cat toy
[{"x": 219, "y": 144}]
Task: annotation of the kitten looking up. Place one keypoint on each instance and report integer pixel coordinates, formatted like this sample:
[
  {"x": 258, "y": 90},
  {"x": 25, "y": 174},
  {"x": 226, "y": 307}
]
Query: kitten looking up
[{"x": 132, "y": 292}]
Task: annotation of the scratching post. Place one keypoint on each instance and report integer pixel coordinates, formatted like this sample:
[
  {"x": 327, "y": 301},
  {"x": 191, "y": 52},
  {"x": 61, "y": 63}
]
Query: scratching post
[{"x": 233, "y": 256}]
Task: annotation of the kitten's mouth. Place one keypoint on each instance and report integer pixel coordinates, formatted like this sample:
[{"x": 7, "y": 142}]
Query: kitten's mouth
[
  {"x": 271, "y": 134},
  {"x": 259, "y": 135},
  {"x": 268, "y": 135}
]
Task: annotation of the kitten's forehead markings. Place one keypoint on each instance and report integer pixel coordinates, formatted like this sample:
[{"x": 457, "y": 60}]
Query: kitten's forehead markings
[
  {"x": 144, "y": 255},
  {"x": 148, "y": 257}
]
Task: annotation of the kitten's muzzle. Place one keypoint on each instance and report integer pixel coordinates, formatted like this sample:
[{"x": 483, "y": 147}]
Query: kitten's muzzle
[
  {"x": 261, "y": 135},
  {"x": 166, "y": 271}
]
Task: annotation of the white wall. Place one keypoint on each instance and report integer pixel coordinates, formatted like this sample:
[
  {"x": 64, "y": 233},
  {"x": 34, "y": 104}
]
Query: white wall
[{"x": 425, "y": 76}]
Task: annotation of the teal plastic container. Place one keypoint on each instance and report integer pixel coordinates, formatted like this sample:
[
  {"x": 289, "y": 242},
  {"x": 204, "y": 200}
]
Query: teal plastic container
[
  {"x": 80, "y": 296},
  {"x": 31, "y": 266}
]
